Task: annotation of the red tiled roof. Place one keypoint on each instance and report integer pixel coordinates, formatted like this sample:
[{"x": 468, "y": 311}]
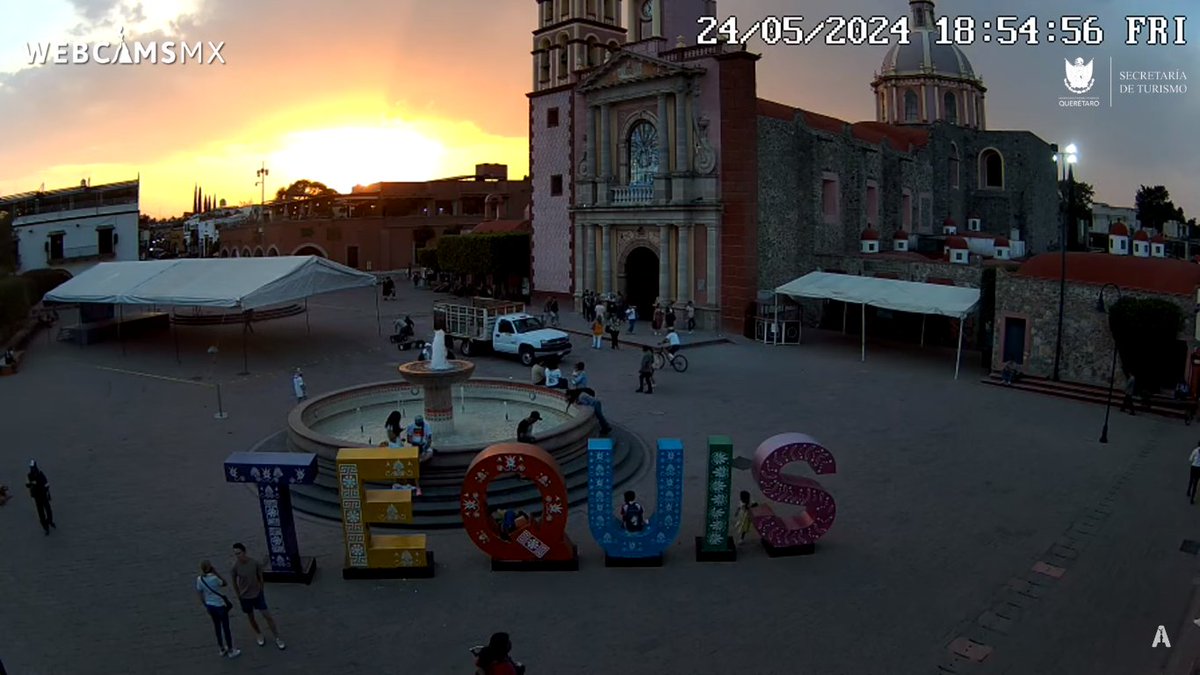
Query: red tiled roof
[
  {"x": 501, "y": 226},
  {"x": 1157, "y": 275},
  {"x": 869, "y": 234},
  {"x": 1141, "y": 235},
  {"x": 1118, "y": 228},
  {"x": 870, "y": 132},
  {"x": 948, "y": 222},
  {"x": 1159, "y": 239},
  {"x": 957, "y": 242},
  {"x": 900, "y": 234},
  {"x": 1002, "y": 242}
]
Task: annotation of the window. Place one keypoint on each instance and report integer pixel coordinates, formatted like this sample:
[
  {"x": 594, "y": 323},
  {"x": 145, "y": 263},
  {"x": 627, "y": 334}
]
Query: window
[
  {"x": 991, "y": 169},
  {"x": 104, "y": 237},
  {"x": 912, "y": 109},
  {"x": 506, "y": 327},
  {"x": 950, "y": 108},
  {"x": 552, "y": 117},
  {"x": 548, "y": 12},
  {"x": 556, "y": 185},
  {"x": 563, "y": 63},
  {"x": 952, "y": 167},
  {"x": 643, "y": 153},
  {"x": 610, "y": 10},
  {"x": 592, "y": 57},
  {"x": 829, "y": 198},
  {"x": 872, "y": 205},
  {"x": 591, "y": 9}
]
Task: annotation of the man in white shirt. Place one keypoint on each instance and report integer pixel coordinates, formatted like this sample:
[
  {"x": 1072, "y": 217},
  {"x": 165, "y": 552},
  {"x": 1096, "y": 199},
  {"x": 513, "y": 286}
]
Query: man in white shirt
[{"x": 1194, "y": 476}]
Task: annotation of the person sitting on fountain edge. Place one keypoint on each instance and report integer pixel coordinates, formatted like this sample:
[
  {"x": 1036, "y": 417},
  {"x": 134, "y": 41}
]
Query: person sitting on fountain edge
[
  {"x": 580, "y": 397},
  {"x": 420, "y": 436},
  {"x": 525, "y": 428},
  {"x": 392, "y": 427}
]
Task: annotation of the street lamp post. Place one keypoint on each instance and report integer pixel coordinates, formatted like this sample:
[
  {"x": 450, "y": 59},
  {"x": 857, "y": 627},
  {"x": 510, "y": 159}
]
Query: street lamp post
[
  {"x": 1112, "y": 371},
  {"x": 262, "y": 174},
  {"x": 1065, "y": 159}
]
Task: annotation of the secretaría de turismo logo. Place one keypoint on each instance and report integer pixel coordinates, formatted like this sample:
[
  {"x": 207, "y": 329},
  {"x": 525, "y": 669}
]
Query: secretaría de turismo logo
[{"x": 124, "y": 53}]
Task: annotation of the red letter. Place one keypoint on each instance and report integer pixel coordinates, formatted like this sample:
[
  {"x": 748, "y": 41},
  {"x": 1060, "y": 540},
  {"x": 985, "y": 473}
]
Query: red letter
[
  {"x": 539, "y": 542},
  {"x": 799, "y": 535}
]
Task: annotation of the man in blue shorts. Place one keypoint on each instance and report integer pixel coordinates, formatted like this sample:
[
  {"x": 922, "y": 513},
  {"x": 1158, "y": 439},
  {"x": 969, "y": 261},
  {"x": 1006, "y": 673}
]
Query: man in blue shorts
[{"x": 248, "y": 580}]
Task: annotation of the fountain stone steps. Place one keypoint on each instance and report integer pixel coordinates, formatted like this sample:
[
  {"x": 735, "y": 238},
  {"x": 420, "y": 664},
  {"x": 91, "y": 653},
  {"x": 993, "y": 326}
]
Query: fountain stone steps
[{"x": 438, "y": 506}]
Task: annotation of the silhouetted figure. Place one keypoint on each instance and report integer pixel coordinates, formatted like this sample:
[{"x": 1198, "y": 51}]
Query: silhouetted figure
[{"x": 39, "y": 489}]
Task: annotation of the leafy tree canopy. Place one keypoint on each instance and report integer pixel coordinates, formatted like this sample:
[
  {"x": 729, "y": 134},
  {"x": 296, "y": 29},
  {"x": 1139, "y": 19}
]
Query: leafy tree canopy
[
  {"x": 304, "y": 189},
  {"x": 1154, "y": 207}
]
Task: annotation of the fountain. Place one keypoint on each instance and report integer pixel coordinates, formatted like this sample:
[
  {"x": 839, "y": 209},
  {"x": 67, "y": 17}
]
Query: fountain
[
  {"x": 489, "y": 410},
  {"x": 436, "y": 377}
]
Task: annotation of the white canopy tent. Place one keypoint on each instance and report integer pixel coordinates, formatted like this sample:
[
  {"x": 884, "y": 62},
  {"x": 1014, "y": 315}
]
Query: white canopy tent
[
  {"x": 236, "y": 283},
  {"x": 241, "y": 283},
  {"x": 902, "y": 296}
]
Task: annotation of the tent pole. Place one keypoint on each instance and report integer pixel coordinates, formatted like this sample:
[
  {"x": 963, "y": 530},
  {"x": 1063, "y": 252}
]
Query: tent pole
[
  {"x": 245, "y": 358},
  {"x": 923, "y": 317},
  {"x": 775, "y": 321},
  {"x": 120, "y": 320},
  {"x": 307, "y": 326},
  {"x": 378, "y": 324},
  {"x": 845, "y": 311},
  {"x": 863, "y": 330},
  {"x": 175, "y": 334},
  {"x": 958, "y": 355}
]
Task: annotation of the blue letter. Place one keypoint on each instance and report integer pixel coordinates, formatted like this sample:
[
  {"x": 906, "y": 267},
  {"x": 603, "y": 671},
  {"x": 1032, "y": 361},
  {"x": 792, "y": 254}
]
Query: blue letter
[
  {"x": 273, "y": 472},
  {"x": 662, "y": 528}
]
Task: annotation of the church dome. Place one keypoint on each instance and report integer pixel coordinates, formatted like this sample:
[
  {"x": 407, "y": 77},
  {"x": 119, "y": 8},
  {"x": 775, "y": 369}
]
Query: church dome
[{"x": 924, "y": 56}]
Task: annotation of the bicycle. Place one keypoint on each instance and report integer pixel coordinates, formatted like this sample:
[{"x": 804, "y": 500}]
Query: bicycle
[{"x": 678, "y": 361}]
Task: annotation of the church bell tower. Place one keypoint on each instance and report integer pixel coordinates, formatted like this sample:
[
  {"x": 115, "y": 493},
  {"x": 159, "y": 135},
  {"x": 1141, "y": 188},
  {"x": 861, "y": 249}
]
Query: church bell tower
[{"x": 573, "y": 35}]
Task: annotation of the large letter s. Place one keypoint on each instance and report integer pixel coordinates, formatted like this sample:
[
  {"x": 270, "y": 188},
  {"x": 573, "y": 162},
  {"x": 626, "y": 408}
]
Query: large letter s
[{"x": 819, "y": 508}]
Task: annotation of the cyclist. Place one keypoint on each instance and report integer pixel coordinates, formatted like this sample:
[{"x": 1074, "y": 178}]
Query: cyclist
[{"x": 671, "y": 342}]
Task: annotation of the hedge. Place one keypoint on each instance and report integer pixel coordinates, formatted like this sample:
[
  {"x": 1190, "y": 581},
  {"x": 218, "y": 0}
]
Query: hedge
[
  {"x": 504, "y": 254},
  {"x": 1145, "y": 331},
  {"x": 428, "y": 257},
  {"x": 19, "y": 293}
]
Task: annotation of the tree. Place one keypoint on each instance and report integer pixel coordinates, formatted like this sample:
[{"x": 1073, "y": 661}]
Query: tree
[
  {"x": 1145, "y": 331},
  {"x": 1154, "y": 207},
  {"x": 1080, "y": 208},
  {"x": 8, "y": 245},
  {"x": 304, "y": 189}
]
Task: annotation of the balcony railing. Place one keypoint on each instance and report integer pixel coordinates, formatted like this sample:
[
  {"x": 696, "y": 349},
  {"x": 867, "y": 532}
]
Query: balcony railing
[{"x": 633, "y": 194}]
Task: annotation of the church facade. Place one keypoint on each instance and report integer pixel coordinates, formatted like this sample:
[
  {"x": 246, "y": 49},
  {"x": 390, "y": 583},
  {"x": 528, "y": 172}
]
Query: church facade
[{"x": 659, "y": 173}]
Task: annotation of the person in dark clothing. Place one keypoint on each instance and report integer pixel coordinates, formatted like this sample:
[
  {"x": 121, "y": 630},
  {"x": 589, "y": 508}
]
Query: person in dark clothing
[
  {"x": 494, "y": 659},
  {"x": 646, "y": 372},
  {"x": 614, "y": 331},
  {"x": 389, "y": 289},
  {"x": 39, "y": 489},
  {"x": 525, "y": 428},
  {"x": 578, "y": 397}
]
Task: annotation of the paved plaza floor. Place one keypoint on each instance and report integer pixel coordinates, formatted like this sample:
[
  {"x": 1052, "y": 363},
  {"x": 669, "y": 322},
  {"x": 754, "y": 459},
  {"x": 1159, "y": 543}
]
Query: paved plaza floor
[{"x": 949, "y": 494}]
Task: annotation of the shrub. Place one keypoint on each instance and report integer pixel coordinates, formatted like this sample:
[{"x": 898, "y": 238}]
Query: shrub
[
  {"x": 40, "y": 282},
  {"x": 1145, "y": 331},
  {"x": 14, "y": 305}
]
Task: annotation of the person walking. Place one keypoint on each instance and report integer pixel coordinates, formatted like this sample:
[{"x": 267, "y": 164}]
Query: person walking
[
  {"x": 525, "y": 428},
  {"x": 742, "y": 518},
  {"x": 298, "y": 386},
  {"x": 248, "y": 581},
  {"x": 1130, "y": 390},
  {"x": 579, "y": 397},
  {"x": 554, "y": 311},
  {"x": 657, "y": 322},
  {"x": 690, "y": 310},
  {"x": 614, "y": 331},
  {"x": 600, "y": 310},
  {"x": 669, "y": 318},
  {"x": 217, "y": 606},
  {"x": 646, "y": 372},
  {"x": 1194, "y": 475},
  {"x": 597, "y": 333},
  {"x": 631, "y": 314},
  {"x": 39, "y": 489}
]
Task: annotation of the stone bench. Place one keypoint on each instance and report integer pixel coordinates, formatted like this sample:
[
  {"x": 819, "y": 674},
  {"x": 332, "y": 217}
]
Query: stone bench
[{"x": 12, "y": 368}]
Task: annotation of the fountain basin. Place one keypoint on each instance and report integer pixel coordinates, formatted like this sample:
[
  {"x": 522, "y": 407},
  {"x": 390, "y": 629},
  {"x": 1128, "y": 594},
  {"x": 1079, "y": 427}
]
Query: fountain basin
[{"x": 354, "y": 417}]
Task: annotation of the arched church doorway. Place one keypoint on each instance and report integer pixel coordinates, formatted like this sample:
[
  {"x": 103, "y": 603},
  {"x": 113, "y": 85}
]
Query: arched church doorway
[
  {"x": 641, "y": 280},
  {"x": 310, "y": 250}
]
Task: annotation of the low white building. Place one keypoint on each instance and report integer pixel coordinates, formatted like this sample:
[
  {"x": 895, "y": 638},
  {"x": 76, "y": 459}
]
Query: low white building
[
  {"x": 1105, "y": 215},
  {"x": 203, "y": 230},
  {"x": 75, "y": 228}
]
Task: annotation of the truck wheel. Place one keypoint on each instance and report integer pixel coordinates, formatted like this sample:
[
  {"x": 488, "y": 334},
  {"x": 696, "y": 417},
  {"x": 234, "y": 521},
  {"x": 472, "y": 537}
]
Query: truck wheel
[
  {"x": 526, "y": 356},
  {"x": 467, "y": 348}
]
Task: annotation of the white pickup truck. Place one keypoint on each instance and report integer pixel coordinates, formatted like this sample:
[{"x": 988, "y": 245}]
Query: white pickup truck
[{"x": 504, "y": 327}]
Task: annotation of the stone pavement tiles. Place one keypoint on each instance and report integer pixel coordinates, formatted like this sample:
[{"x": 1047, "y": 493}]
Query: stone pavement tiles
[{"x": 946, "y": 490}]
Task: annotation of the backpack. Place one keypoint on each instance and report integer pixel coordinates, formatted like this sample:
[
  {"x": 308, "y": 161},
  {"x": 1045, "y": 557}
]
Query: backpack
[{"x": 634, "y": 521}]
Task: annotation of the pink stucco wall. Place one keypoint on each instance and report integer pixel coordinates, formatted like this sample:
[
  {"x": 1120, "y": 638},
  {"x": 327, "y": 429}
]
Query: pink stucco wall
[{"x": 551, "y": 155}]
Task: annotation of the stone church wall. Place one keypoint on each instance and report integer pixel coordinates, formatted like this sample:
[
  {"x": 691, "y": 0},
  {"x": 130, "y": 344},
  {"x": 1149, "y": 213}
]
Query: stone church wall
[
  {"x": 551, "y": 155},
  {"x": 1087, "y": 341}
]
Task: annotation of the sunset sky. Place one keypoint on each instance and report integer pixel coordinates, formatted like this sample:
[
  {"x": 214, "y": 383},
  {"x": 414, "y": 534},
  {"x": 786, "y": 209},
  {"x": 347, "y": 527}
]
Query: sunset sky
[{"x": 359, "y": 91}]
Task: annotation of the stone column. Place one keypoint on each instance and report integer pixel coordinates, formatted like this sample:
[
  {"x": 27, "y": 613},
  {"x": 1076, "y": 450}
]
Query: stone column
[
  {"x": 592, "y": 147},
  {"x": 664, "y": 142},
  {"x": 606, "y": 258},
  {"x": 681, "y": 131},
  {"x": 664, "y": 262},
  {"x": 711, "y": 280},
  {"x": 684, "y": 265},
  {"x": 590, "y": 283},
  {"x": 580, "y": 260},
  {"x": 605, "y": 143}
]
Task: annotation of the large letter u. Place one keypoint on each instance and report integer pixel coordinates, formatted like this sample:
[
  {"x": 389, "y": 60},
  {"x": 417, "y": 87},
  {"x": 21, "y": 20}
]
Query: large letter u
[{"x": 661, "y": 528}]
